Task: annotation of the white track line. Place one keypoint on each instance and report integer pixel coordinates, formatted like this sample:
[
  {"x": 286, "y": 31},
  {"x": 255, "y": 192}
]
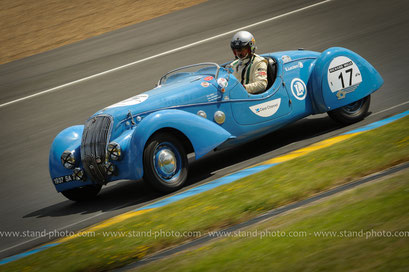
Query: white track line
[
  {"x": 396, "y": 106},
  {"x": 161, "y": 54}
]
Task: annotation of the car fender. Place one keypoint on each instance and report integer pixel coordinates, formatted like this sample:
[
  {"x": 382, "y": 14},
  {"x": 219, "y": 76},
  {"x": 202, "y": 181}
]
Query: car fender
[
  {"x": 340, "y": 77},
  {"x": 203, "y": 134},
  {"x": 67, "y": 139}
]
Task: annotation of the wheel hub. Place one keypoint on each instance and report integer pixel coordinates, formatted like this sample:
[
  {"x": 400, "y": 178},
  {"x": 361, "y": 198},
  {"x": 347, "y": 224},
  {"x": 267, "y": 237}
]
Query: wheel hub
[
  {"x": 166, "y": 163},
  {"x": 353, "y": 107}
]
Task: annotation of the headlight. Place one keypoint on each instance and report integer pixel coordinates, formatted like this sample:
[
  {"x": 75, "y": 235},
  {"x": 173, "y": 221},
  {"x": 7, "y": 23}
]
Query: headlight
[
  {"x": 68, "y": 159},
  {"x": 114, "y": 151},
  {"x": 78, "y": 174},
  {"x": 110, "y": 168}
]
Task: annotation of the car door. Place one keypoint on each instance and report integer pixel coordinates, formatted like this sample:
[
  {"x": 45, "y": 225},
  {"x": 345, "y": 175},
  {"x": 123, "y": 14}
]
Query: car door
[{"x": 249, "y": 109}]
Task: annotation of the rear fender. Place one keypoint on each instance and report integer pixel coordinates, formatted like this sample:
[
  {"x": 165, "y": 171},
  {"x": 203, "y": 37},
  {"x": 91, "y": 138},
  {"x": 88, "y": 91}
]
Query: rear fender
[
  {"x": 203, "y": 134},
  {"x": 341, "y": 77}
]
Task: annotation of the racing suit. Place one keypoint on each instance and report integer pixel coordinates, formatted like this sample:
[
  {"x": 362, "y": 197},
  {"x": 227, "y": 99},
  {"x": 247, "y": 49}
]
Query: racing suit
[{"x": 252, "y": 73}]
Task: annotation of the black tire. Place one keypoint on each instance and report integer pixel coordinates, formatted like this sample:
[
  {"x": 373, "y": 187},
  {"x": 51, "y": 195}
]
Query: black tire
[
  {"x": 82, "y": 193},
  {"x": 351, "y": 113},
  {"x": 165, "y": 163}
]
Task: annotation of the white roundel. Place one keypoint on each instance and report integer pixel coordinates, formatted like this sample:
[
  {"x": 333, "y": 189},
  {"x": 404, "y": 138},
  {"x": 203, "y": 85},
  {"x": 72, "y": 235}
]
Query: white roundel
[
  {"x": 343, "y": 73},
  {"x": 222, "y": 82},
  {"x": 131, "y": 101},
  {"x": 298, "y": 89}
]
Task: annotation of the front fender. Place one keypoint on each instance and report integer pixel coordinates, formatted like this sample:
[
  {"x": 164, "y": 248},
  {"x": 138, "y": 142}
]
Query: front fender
[
  {"x": 203, "y": 134},
  {"x": 68, "y": 139}
]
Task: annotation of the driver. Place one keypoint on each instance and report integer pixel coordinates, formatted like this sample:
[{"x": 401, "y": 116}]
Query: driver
[{"x": 250, "y": 69}]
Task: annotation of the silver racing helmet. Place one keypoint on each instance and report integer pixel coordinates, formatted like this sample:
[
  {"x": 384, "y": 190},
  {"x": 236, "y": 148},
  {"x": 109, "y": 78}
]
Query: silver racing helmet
[{"x": 243, "y": 39}]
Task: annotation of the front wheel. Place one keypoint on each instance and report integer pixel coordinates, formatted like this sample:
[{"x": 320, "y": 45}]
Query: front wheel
[
  {"x": 165, "y": 163},
  {"x": 351, "y": 113},
  {"x": 82, "y": 193}
]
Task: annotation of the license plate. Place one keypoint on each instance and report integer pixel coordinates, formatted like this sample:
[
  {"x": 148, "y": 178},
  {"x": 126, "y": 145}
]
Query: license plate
[{"x": 62, "y": 179}]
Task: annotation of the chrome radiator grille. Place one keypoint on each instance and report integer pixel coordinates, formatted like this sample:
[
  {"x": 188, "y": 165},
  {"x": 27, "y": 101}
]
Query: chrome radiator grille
[{"x": 95, "y": 137}]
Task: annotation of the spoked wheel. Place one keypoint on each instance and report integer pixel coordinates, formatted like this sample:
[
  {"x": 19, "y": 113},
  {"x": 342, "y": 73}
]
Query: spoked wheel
[
  {"x": 82, "y": 193},
  {"x": 165, "y": 163},
  {"x": 351, "y": 113}
]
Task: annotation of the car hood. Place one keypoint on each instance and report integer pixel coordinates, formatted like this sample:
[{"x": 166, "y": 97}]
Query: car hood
[
  {"x": 187, "y": 92},
  {"x": 176, "y": 93}
]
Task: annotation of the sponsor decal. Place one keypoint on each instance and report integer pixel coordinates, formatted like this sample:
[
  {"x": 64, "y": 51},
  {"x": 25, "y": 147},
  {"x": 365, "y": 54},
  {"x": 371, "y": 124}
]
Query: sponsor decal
[
  {"x": 208, "y": 78},
  {"x": 298, "y": 65},
  {"x": 343, "y": 74},
  {"x": 339, "y": 67},
  {"x": 205, "y": 84},
  {"x": 130, "y": 101},
  {"x": 213, "y": 97},
  {"x": 341, "y": 94},
  {"x": 261, "y": 72},
  {"x": 286, "y": 58},
  {"x": 298, "y": 88},
  {"x": 266, "y": 109},
  {"x": 62, "y": 179},
  {"x": 222, "y": 82}
]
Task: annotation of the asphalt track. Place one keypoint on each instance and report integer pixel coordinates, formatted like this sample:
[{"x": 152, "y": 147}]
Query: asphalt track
[{"x": 377, "y": 30}]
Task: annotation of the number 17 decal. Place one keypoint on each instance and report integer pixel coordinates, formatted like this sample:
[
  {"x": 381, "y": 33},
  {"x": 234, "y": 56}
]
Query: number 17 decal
[
  {"x": 343, "y": 73},
  {"x": 342, "y": 78}
]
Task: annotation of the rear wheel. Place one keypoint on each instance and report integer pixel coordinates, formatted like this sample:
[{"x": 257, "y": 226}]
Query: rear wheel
[
  {"x": 82, "y": 193},
  {"x": 165, "y": 163},
  {"x": 351, "y": 113}
]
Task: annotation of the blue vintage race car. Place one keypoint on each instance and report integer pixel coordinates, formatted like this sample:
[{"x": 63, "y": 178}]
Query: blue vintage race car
[{"x": 149, "y": 135}]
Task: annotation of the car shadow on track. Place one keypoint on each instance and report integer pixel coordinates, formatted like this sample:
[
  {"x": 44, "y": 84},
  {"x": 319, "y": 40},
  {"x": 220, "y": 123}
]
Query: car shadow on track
[
  {"x": 119, "y": 195},
  {"x": 298, "y": 134},
  {"x": 125, "y": 194}
]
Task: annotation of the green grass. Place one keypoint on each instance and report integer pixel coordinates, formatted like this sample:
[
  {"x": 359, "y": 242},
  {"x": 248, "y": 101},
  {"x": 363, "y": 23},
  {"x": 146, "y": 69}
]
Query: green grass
[
  {"x": 230, "y": 204},
  {"x": 358, "y": 217}
]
